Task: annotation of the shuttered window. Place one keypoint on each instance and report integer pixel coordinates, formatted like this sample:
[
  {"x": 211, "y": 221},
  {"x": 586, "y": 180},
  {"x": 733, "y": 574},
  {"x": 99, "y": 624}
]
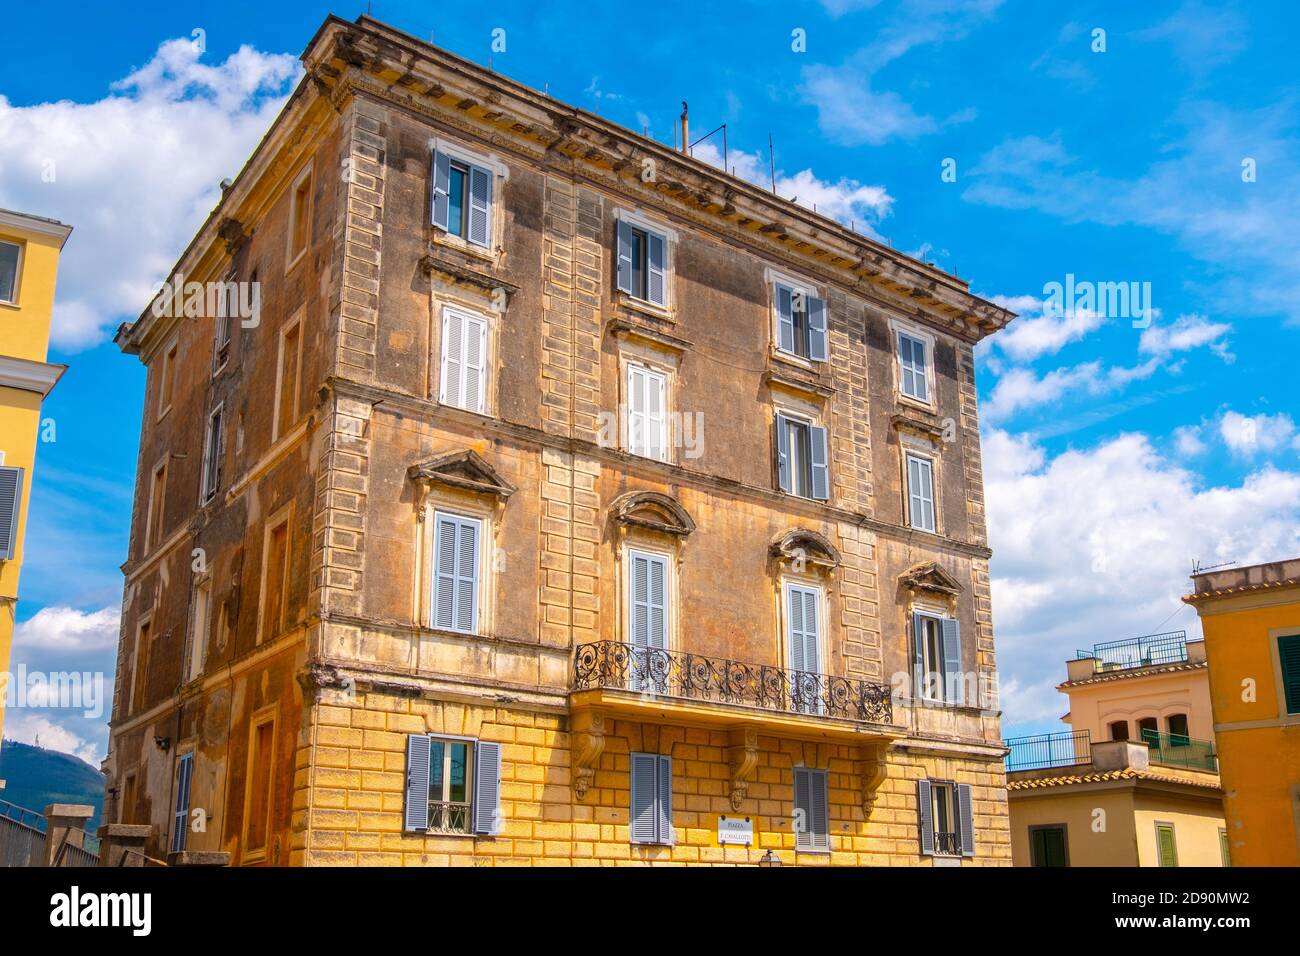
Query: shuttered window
[
  {"x": 11, "y": 497},
  {"x": 812, "y": 830},
  {"x": 1225, "y": 853},
  {"x": 800, "y": 322},
  {"x": 936, "y": 658},
  {"x": 181, "y": 817},
  {"x": 913, "y": 365},
  {"x": 1166, "y": 844},
  {"x": 803, "y": 628},
  {"x": 1047, "y": 846},
  {"x": 1288, "y": 652},
  {"x": 455, "y": 578},
  {"x": 642, "y": 263},
  {"x": 647, "y": 420},
  {"x": 453, "y": 785},
  {"x": 802, "y": 461},
  {"x": 213, "y": 453},
  {"x": 10, "y": 253},
  {"x": 650, "y": 815},
  {"x": 464, "y": 360},
  {"x": 920, "y": 493},
  {"x": 946, "y": 816},
  {"x": 648, "y": 599},
  {"x": 462, "y": 198}
]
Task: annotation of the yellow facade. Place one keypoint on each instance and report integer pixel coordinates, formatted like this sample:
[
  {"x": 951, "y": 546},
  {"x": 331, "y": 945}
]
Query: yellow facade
[
  {"x": 1247, "y": 614},
  {"x": 29, "y": 260}
]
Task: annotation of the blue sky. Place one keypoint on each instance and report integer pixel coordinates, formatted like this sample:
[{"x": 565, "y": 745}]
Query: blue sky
[{"x": 1114, "y": 455}]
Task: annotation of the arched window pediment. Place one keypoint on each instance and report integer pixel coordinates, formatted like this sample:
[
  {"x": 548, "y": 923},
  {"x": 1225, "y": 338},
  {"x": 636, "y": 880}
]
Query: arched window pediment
[
  {"x": 652, "y": 510},
  {"x": 806, "y": 547}
]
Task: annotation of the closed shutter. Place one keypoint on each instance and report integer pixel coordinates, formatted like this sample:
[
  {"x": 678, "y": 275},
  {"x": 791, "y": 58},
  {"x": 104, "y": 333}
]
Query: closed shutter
[
  {"x": 636, "y": 409},
  {"x": 664, "y": 798},
  {"x": 456, "y": 573},
  {"x": 181, "y": 818},
  {"x": 646, "y": 418},
  {"x": 480, "y": 204},
  {"x": 966, "y": 819},
  {"x": 464, "y": 355},
  {"x": 1288, "y": 652},
  {"x": 925, "y": 811},
  {"x": 487, "y": 787},
  {"x": 812, "y": 810},
  {"x": 1166, "y": 845},
  {"x": 816, "y": 329},
  {"x": 783, "y": 467},
  {"x": 472, "y": 364},
  {"x": 656, "y": 399},
  {"x": 417, "y": 782},
  {"x": 649, "y": 592},
  {"x": 441, "y": 184},
  {"x": 805, "y": 653},
  {"x": 918, "y": 656},
  {"x": 624, "y": 256},
  {"x": 820, "y": 472},
  {"x": 655, "y": 260},
  {"x": 11, "y": 497},
  {"x": 920, "y": 489},
  {"x": 954, "y": 689},
  {"x": 643, "y": 824},
  {"x": 785, "y": 318},
  {"x": 453, "y": 351}
]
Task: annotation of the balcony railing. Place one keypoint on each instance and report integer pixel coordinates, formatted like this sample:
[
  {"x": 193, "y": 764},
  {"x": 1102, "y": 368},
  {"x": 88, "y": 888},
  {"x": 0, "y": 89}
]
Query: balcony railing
[
  {"x": 1175, "y": 750},
  {"x": 947, "y": 844},
  {"x": 652, "y": 672},
  {"x": 447, "y": 817},
  {"x": 1153, "y": 649},
  {"x": 1040, "y": 752}
]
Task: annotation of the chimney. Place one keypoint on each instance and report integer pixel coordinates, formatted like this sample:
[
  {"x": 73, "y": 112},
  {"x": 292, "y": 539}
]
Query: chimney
[{"x": 686, "y": 139}]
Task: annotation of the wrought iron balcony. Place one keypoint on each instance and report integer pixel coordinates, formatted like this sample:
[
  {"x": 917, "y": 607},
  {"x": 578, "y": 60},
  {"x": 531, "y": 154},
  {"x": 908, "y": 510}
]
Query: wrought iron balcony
[
  {"x": 655, "y": 673},
  {"x": 947, "y": 844},
  {"x": 448, "y": 817}
]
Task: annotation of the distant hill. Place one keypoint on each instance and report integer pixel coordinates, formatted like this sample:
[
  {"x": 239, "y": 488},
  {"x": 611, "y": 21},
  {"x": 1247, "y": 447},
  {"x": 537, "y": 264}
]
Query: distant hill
[{"x": 35, "y": 777}]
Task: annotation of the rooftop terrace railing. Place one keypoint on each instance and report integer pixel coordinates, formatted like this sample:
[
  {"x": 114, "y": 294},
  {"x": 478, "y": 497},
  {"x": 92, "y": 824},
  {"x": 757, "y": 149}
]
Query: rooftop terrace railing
[
  {"x": 1175, "y": 750},
  {"x": 1147, "y": 651},
  {"x": 1043, "y": 751}
]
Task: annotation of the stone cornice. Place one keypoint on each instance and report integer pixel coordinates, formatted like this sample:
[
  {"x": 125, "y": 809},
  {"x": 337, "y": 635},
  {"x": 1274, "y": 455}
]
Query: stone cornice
[{"x": 29, "y": 376}]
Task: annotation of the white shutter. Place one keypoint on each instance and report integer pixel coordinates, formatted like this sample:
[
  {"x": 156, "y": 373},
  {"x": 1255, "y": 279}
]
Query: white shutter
[
  {"x": 954, "y": 690},
  {"x": 472, "y": 362},
  {"x": 636, "y": 409},
  {"x": 794, "y": 616},
  {"x": 920, "y": 490},
  {"x": 783, "y": 465},
  {"x": 453, "y": 350},
  {"x": 656, "y": 394},
  {"x": 480, "y": 205}
]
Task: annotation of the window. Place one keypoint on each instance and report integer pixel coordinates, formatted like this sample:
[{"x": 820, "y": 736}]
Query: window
[
  {"x": 166, "y": 379},
  {"x": 1288, "y": 653},
  {"x": 227, "y": 309},
  {"x": 650, "y": 815},
  {"x": 947, "y": 820},
  {"x": 936, "y": 658},
  {"x": 140, "y": 675},
  {"x": 181, "y": 815},
  {"x": 10, "y": 256},
  {"x": 200, "y": 630},
  {"x": 275, "y": 579},
  {"x": 300, "y": 216},
  {"x": 157, "y": 502},
  {"x": 453, "y": 785},
  {"x": 1119, "y": 730},
  {"x": 214, "y": 449},
  {"x": 800, "y": 322},
  {"x": 261, "y": 777},
  {"x": 647, "y": 421},
  {"x": 455, "y": 577},
  {"x": 464, "y": 360},
  {"x": 126, "y": 805},
  {"x": 802, "y": 637},
  {"x": 287, "y": 379},
  {"x": 11, "y": 500},
  {"x": 1166, "y": 844},
  {"x": 920, "y": 493},
  {"x": 1047, "y": 846},
  {"x": 812, "y": 830},
  {"x": 913, "y": 367},
  {"x": 1148, "y": 729},
  {"x": 801, "y": 458},
  {"x": 462, "y": 198},
  {"x": 642, "y": 262},
  {"x": 648, "y": 599},
  {"x": 1177, "y": 724}
]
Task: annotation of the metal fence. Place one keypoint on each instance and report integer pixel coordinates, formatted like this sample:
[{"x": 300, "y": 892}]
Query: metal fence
[
  {"x": 1175, "y": 750},
  {"x": 1152, "y": 649},
  {"x": 1039, "y": 752},
  {"x": 20, "y": 845}
]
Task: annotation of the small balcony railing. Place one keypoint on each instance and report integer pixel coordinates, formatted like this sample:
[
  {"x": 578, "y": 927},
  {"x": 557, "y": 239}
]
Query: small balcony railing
[
  {"x": 1044, "y": 751},
  {"x": 1148, "y": 651},
  {"x": 609, "y": 665},
  {"x": 447, "y": 817},
  {"x": 947, "y": 844},
  {"x": 1175, "y": 750}
]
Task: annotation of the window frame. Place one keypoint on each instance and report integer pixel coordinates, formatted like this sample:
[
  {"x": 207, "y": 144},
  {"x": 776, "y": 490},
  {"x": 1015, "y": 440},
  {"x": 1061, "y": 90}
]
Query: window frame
[
  {"x": 200, "y": 629},
  {"x": 213, "y": 455},
  {"x": 267, "y": 715},
  {"x": 1065, "y": 844},
  {"x": 810, "y": 838},
  {"x": 638, "y": 221},
  {"x": 140, "y": 655},
  {"x": 1173, "y": 842},
  {"x": 184, "y": 783},
  {"x": 21, "y": 246},
  {"x": 480, "y": 524},
  {"x": 807, "y": 421},
  {"x": 927, "y": 340},
  {"x": 1276, "y": 636},
  {"x": 663, "y": 376},
  {"x": 469, "y": 743},
  {"x": 775, "y": 281},
  {"x": 282, "y": 517},
  {"x": 156, "y": 515},
  {"x": 497, "y": 173},
  {"x": 663, "y": 816},
  {"x": 224, "y": 327},
  {"x": 466, "y": 313},
  {"x": 930, "y": 463},
  {"x": 167, "y": 377},
  {"x": 640, "y": 549},
  {"x": 295, "y": 322},
  {"x": 928, "y": 667},
  {"x": 292, "y": 255}
]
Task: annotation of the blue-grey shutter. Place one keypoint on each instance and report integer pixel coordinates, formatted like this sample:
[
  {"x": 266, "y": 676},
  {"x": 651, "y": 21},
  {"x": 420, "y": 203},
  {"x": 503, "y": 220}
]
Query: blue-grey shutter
[
  {"x": 181, "y": 817},
  {"x": 441, "y": 184},
  {"x": 954, "y": 689},
  {"x": 480, "y": 205},
  {"x": 925, "y": 809},
  {"x": 487, "y": 787},
  {"x": 467, "y": 576},
  {"x": 966, "y": 815},
  {"x": 918, "y": 656},
  {"x": 11, "y": 499},
  {"x": 445, "y": 573},
  {"x": 658, "y": 603},
  {"x": 819, "y": 815},
  {"x": 795, "y": 631},
  {"x": 664, "y": 801},
  {"x": 624, "y": 256},
  {"x": 820, "y": 473},
  {"x": 784, "y": 318},
  {"x": 783, "y": 453},
  {"x": 802, "y": 809},
  {"x": 640, "y": 587},
  {"x": 643, "y": 818},
  {"x": 417, "y": 782},
  {"x": 816, "y": 329},
  {"x": 655, "y": 261}
]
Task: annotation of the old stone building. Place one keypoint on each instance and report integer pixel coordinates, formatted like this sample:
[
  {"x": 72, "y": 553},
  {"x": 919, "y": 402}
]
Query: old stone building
[{"x": 556, "y": 499}]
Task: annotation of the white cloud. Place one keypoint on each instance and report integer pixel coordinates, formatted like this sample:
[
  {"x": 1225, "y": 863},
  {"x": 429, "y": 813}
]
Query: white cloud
[
  {"x": 1036, "y": 332},
  {"x": 1249, "y": 435},
  {"x": 1187, "y": 332},
  {"x": 1021, "y": 388},
  {"x": 135, "y": 173},
  {"x": 37, "y": 729},
  {"x": 67, "y": 629},
  {"x": 1188, "y": 441},
  {"x": 1096, "y": 544}
]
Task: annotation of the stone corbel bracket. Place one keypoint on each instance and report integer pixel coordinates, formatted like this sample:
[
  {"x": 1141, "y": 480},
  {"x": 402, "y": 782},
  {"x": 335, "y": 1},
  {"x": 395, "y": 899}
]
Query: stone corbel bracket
[
  {"x": 588, "y": 741},
  {"x": 742, "y": 760},
  {"x": 872, "y": 771}
]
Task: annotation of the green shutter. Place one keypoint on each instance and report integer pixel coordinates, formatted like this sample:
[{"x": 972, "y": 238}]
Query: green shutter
[
  {"x": 1166, "y": 844},
  {"x": 1288, "y": 652}
]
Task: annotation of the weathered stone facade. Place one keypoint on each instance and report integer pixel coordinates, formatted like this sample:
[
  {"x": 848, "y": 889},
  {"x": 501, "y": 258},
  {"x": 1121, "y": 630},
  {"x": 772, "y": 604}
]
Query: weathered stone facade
[{"x": 360, "y": 665}]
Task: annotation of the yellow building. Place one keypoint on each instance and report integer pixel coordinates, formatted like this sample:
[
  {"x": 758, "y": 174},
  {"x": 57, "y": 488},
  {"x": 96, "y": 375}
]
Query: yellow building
[
  {"x": 1251, "y": 620},
  {"x": 29, "y": 261},
  {"x": 1134, "y": 782}
]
